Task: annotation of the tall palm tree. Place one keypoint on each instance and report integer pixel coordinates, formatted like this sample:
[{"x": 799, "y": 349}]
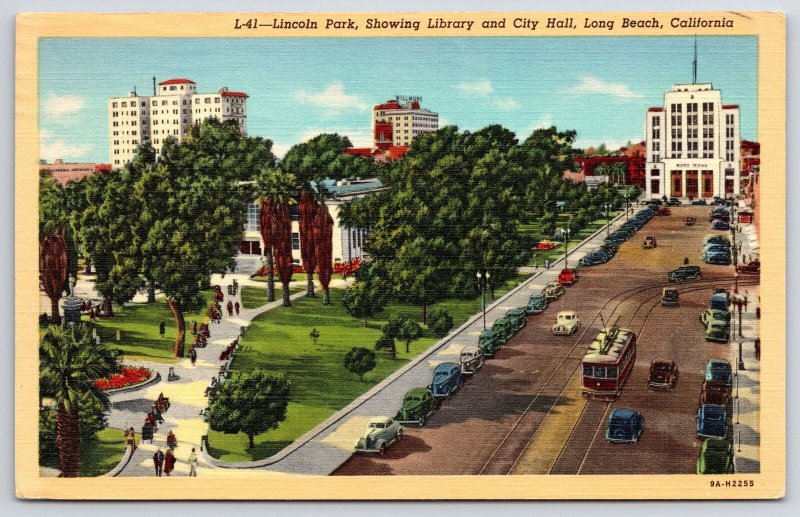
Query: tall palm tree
[
  {"x": 277, "y": 190},
  {"x": 69, "y": 364}
]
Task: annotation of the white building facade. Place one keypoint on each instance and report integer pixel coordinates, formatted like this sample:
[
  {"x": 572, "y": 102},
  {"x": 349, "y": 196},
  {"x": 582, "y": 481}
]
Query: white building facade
[
  {"x": 692, "y": 145},
  {"x": 407, "y": 120},
  {"x": 134, "y": 119}
]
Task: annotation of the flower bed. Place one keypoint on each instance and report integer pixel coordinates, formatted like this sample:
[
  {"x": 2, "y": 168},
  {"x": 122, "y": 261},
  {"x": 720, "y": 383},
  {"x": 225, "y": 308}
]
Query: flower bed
[{"x": 127, "y": 376}]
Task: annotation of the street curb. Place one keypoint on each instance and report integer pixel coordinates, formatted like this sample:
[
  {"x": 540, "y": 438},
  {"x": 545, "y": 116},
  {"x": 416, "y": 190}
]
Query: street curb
[
  {"x": 126, "y": 458},
  {"x": 336, "y": 417}
]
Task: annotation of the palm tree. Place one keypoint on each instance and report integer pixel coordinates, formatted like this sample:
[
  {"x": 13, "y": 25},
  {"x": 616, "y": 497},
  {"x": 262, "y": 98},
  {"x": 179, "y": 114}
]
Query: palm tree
[
  {"x": 69, "y": 364},
  {"x": 277, "y": 190},
  {"x": 617, "y": 173}
]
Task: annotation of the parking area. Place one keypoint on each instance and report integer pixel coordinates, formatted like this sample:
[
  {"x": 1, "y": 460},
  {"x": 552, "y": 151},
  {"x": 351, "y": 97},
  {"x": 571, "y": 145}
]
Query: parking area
[{"x": 524, "y": 413}]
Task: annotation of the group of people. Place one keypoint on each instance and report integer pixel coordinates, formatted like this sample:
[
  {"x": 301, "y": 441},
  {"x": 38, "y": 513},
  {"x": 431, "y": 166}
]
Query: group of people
[
  {"x": 201, "y": 334},
  {"x": 231, "y": 306},
  {"x": 215, "y": 313},
  {"x": 164, "y": 462},
  {"x": 233, "y": 288},
  {"x": 228, "y": 352},
  {"x": 153, "y": 418}
]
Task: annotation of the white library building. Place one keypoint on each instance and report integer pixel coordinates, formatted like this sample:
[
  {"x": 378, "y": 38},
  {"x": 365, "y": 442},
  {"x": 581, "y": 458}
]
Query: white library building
[{"x": 692, "y": 145}]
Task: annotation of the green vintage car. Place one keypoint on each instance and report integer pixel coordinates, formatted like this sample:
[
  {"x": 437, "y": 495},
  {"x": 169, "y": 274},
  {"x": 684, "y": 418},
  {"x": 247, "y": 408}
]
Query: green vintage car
[
  {"x": 489, "y": 342},
  {"x": 718, "y": 331},
  {"x": 418, "y": 405},
  {"x": 711, "y": 315},
  {"x": 716, "y": 457},
  {"x": 537, "y": 303},
  {"x": 517, "y": 317},
  {"x": 504, "y": 329}
]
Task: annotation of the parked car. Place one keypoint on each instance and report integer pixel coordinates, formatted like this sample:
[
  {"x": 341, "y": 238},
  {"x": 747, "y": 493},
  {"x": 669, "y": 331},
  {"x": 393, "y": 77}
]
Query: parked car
[
  {"x": 716, "y": 457},
  {"x": 567, "y": 323},
  {"x": 720, "y": 216},
  {"x": 490, "y": 342},
  {"x": 719, "y": 301},
  {"x": 418, "y": 406},
  {"x": 624, "y": 425},
  {"x": 446, "y": 380},
  {"x": 711, "y": 315},
  {"x": 536, "y": 303},
  {"x": 663, "y": 374},
  {"x": 720, "y": 224},
  {"x": 712, "y": 421},
  {"x": 669, "y": 297},
  {"x": 381, "y": 432},
  {"x": 684, "y": 273},
  {"x": 504, "y": 329},
  {"x": 718, "y": 331},
  {"x": 717, "y": 258},
  {"x": 471, "y": 359},
  {"x": 718, "y": 371},
  {"x": 752, "y": 267},
  {"x": 699, "y": 202},
  {"x": 653, "y": 202},
  {"x": 716, "y": 394},
  {"x": 673, "y": 201},
  {"x": 567, "y": 276},
  {"x": 594, "y": 258},
  {"x": 553, "y": 290},
  {"x": 609, "y": 247},
  {"x": 690, "y": 221},
  {"x": 649, "y": 242},
  {"x": 716, "y": 238},
  {"x": 517, "y": 318}
]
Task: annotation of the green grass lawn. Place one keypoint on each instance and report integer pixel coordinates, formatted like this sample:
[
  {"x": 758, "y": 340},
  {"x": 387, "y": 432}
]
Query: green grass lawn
[
  {"x": 540, "y": 256},
  {"x": 296, "y": 277},
  {"x": 98, "y": 456},
  {"x": 253, "y": 297},
  {"x": 278, "y": 341},
  {"x": 138, "y": 323}
]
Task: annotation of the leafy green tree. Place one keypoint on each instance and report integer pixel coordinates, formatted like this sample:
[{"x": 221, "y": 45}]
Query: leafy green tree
[
  {"x": 69, "y": 363},
  {"x": 440, "y": 322},
  {"x": 388, "y": 343},
  {"x": 409, "y": 331},
  {"x": 252, "y": 403},
  {"x": 360, "y": 300},
  {"x": 359, "y": 361}
]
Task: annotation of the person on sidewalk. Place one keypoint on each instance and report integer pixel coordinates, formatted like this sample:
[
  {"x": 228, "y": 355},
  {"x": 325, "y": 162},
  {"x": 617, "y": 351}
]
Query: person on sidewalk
[
  {"x": 236, "y": 307},
  {"x": 757, "y": 347},
  {"x": 162, "y": 328},
  {"x": 172, "y": 442},
  {"x": 193, "y": 464},
  {"x": 169, "y": 462},
  {"x": 193, "y": 355},
  {"x": 230, "y": 308},
  {"x": 158, "y": 462}
]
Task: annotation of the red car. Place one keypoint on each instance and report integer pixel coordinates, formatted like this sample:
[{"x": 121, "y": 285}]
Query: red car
[
  {"x": 753, "y": 267},
  {"x": 715, "y": 393},
  {"x": 567, "y": 277},
  {"x": 663, "y": 374},
  {"x": 663, "y": 211}
]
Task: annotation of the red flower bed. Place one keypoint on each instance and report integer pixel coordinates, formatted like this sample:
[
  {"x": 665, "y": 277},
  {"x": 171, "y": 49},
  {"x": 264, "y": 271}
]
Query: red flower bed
[
  {"x": 348, "y": 268},
  {"x": 127, "y": 376}
]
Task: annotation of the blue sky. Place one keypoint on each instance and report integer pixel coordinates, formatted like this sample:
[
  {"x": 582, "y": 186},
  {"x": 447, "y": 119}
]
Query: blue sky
[{"x": 298, "y": 88}]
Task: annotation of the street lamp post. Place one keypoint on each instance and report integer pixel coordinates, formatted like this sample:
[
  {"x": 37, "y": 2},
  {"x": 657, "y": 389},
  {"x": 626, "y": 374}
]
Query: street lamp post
[
  {"x": 483, "y": 279},
  {"x": 565, "y": 232},
  {"x": 608, "y": 219}
]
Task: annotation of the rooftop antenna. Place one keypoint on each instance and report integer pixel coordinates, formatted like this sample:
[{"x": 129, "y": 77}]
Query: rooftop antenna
[
  {"x": 154, "y": 86},
  {"x": 694, "y": 63},
  {"x": 134, "y": 89}
]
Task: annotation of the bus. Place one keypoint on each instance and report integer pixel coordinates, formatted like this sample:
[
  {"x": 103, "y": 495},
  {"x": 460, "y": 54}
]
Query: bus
[{"x": 608, "y": 362}]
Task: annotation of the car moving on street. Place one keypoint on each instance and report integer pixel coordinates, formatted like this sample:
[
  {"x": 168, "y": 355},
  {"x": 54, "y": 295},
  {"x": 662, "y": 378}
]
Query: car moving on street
[
  {"x": 663, "y": 374},
  {"x": 624, "y": 426},
  {"x": 567, "y": 323},
  {"x": 669, "y": 297},
  {"x": 381, "y": 433},
  {"x": 649, "y": 242},
  {"x": 684, "y": 273}
]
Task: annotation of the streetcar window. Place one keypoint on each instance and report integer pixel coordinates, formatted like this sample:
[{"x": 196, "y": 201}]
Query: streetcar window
[
  {"x": 600, "y": 372},
  {"x": 612, "y": 373},
  {"x": 587, "y": 371}
]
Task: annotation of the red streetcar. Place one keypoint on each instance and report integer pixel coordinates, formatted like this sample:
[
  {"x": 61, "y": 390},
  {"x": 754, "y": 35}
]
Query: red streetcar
[{"x": 608, "y": 362}]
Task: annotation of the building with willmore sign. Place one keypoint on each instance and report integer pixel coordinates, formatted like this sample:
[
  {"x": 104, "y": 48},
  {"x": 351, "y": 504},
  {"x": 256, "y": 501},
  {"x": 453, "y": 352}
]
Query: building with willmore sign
[
  {"x": 692, "y": 145},
  {"x": 397, "y": 122}
]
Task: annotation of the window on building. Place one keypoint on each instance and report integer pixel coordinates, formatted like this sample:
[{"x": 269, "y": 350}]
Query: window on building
[
  {"x": 253, "y": 223},
  {"x": 113, "y": 104},
  {"x": 208, "y": 100},
  {"x": 124, "y": 104},
  {"x": 655, "y": 186},
  {"x": 295, "y": 241},
  {"x": 216, "y": 100}
]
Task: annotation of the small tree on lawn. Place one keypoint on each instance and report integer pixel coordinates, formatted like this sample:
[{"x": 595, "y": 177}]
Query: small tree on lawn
[
  {"x": 386, "y": 342},
  {"x": 440, "y": 322},
  {"x": 362, "y": 301},
  {"x": 409, "y": 331},
  {"x": 359, "y": 361},
  {"x": 252, "y": 404}
]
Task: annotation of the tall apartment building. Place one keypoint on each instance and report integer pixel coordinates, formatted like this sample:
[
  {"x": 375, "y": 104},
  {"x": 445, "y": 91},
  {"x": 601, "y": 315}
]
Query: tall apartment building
[
  {"x": 692, "y": 145},
  {"x": 397, "y": 122},
  {"x": 171, "y": 111}
]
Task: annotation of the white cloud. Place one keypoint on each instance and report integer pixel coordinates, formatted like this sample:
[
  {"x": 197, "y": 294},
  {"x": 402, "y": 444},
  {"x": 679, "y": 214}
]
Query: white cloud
[
  {"x": 590, "y": 84},
  {"x": 481, "y": 87},
  {"x": 57, "y": 106},
  {"x": 543, "y": 123},
  {"x": 333, "y": 98},
  {"x": 506, "y": 104},
  {"x": 51, "y": 148}
]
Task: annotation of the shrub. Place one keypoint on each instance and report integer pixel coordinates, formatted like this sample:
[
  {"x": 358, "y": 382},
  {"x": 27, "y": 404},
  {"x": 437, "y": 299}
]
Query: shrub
[{"x": 440, "y": 322}]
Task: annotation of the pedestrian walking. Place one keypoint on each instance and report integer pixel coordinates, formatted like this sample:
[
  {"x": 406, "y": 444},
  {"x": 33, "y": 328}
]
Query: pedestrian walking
[
  {"x": 162, "y": 328},
  {"x": 236, "y": 307},
  {"x": 235, "y": 286},
  {"x": 172, "y": 442},
  {"x": 193, "y": 327},
  {"x": 193, "y": 355},
  {"x": 158, "y": 462},
  {"x": 193, "y": 464},
  {"x": 757, "y": 347},
  {"x": 169, "y": 462},
  {"x": 685, "y": 261},
  {"x": 230, "y": 308}
]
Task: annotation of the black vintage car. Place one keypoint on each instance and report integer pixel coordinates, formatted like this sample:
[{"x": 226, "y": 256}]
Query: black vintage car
[{"x": 684, "y": 273}]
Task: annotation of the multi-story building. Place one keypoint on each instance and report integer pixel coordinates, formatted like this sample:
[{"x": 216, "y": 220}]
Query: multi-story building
[
  {"x": 397, "y": 122},
  {"x": 174, "y": 106},
  {"x": 692, "y": 145},
  {"x": 348, "y": 243}
]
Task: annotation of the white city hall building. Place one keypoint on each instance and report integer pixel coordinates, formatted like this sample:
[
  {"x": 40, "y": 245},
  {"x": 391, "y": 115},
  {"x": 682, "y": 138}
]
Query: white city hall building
[
  {"x": 171, "y": 111},
  {"x": 692, "y": 145}
]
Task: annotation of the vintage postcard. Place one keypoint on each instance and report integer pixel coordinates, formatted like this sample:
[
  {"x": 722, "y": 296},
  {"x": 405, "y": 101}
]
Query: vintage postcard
[{"x": 400, "y": 255}]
